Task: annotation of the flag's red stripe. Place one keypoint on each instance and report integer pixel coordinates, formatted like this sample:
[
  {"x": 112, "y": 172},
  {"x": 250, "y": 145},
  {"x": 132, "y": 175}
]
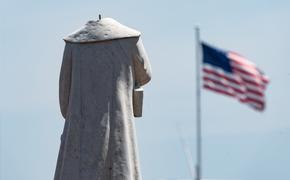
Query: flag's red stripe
[
  {"x": 250, "y": 90},
  {"x": 246, "y": 66},
  {"x": 248, "y": 100},
  {"x": 252, "y": 100},
  {"x": 257, "y": 75},
  {"x": 228, "y": 86},
  {"x": 223, "y": 84},
  {"x": 254, "y": 88},
  {"x": 238, "y": 58},
  {"x": 213, "y": 72},
  {"x": 246, "y": 82},
  {"x": 243, "y": 66},
  {"x": 255, "y": 92},
  {"x": 265, "y": 79},
  {"x": 243, "y": 63},
  {"x": 253, "y": 83},
  {"x": 237, "y": 63},
  {"x": 218, "y": 90},
  {"x": 243, "y": 71},
  {"x": 250, "y": 70},
  {"x": 256, "y": 106}
]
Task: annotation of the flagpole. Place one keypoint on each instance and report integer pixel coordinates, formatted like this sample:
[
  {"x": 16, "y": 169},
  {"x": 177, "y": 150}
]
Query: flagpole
[{"x": 198, "y": 107}]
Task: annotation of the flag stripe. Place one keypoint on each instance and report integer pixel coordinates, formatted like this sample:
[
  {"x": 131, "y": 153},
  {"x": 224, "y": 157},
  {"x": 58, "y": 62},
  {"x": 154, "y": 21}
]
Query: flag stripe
[
  {"x": 253, "y": 101},
  {"x": 242, "y": 69},
  {"x": 221, "y": 74},
  {"x": 251, "y": 80},
  {"x": 221, "y": 90},
  {"x": 259, "y": 93},
  {"x": 238, "y": 58},
  {"x": 249, "y": 76},
  {"x": 242, "y": 94},
  {"x": 225, "y": 80},
  {"x": 246, "y": 65},
  {"x": 218, "y": 90},
  {"x": 246, "y": 69},
  {"x": 225, "y": 89},
  {"x": 225, "y": 84},
  {"x": 212, "y": 74}
]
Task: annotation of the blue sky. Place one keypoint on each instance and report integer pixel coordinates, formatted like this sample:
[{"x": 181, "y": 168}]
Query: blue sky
[{"x": 238, "y": 142}]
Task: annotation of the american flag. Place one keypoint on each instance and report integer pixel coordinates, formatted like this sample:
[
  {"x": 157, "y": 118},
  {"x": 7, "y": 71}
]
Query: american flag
[{"x": 233, "y": 75}]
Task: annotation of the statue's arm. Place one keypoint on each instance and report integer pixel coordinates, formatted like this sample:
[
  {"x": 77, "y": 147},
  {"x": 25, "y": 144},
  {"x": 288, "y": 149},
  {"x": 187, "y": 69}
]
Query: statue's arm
[
  {"x": 142, "y": 75},
  {"x": 65, "y": 80},
  {"x": 142, "y": 65}
]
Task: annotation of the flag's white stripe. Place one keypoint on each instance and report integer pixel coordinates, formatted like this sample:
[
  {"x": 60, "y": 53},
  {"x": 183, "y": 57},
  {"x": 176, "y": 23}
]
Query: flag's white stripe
[
  {"x": 253, "y": 74},
  {"x": 254, "y": 88},
  {"x": 246, "y": 82},
  {"x": 240, "y": 89},
  {"x": 231, "y": 90},
  {"x": 224, "y": 81},
  {"x": 258, "y": 87},
  {"x": 238, "y": 63},
  {"x": 222, "y": 88},
  {"x": 221, "y": 71},
  {"x": 236, "y": 95},
  {"x": 265, "y": 78},
  {"x": 256, "y": 97},
  {"x": 235, "y": 77},
  {"x": 240, "y": 59},
  {"x": 259, "y": 82},
  {"x": 251, "y": 70}
]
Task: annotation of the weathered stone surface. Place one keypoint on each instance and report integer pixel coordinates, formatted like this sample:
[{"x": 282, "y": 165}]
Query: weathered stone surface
[
  {"x": 101, "y": 30},
  {"x": 97, "y": 79}
]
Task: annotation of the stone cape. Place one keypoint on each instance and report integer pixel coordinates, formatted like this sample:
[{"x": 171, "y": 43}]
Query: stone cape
[{"x": 101, "y": 63}]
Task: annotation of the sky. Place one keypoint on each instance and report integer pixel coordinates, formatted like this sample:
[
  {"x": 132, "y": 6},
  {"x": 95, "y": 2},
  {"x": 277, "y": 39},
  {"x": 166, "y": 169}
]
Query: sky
[{"x": 238, "y": 142}]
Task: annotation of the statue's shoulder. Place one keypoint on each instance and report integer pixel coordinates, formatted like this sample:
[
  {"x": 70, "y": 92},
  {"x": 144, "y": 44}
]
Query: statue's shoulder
[{"x": 101, "y": 30}]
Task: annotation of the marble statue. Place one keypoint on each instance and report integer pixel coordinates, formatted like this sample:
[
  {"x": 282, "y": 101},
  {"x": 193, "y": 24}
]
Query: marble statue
[{"x": 102, "y": 64}]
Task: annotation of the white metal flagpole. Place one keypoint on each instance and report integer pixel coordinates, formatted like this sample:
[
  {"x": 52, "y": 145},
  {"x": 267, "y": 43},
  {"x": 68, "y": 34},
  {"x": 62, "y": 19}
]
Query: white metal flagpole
[{"x": 198, "y": 107}]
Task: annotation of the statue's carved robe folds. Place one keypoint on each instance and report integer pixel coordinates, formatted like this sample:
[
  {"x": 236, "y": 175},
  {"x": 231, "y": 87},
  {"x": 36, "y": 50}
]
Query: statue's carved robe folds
[{"x": 101, "y": 64}]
